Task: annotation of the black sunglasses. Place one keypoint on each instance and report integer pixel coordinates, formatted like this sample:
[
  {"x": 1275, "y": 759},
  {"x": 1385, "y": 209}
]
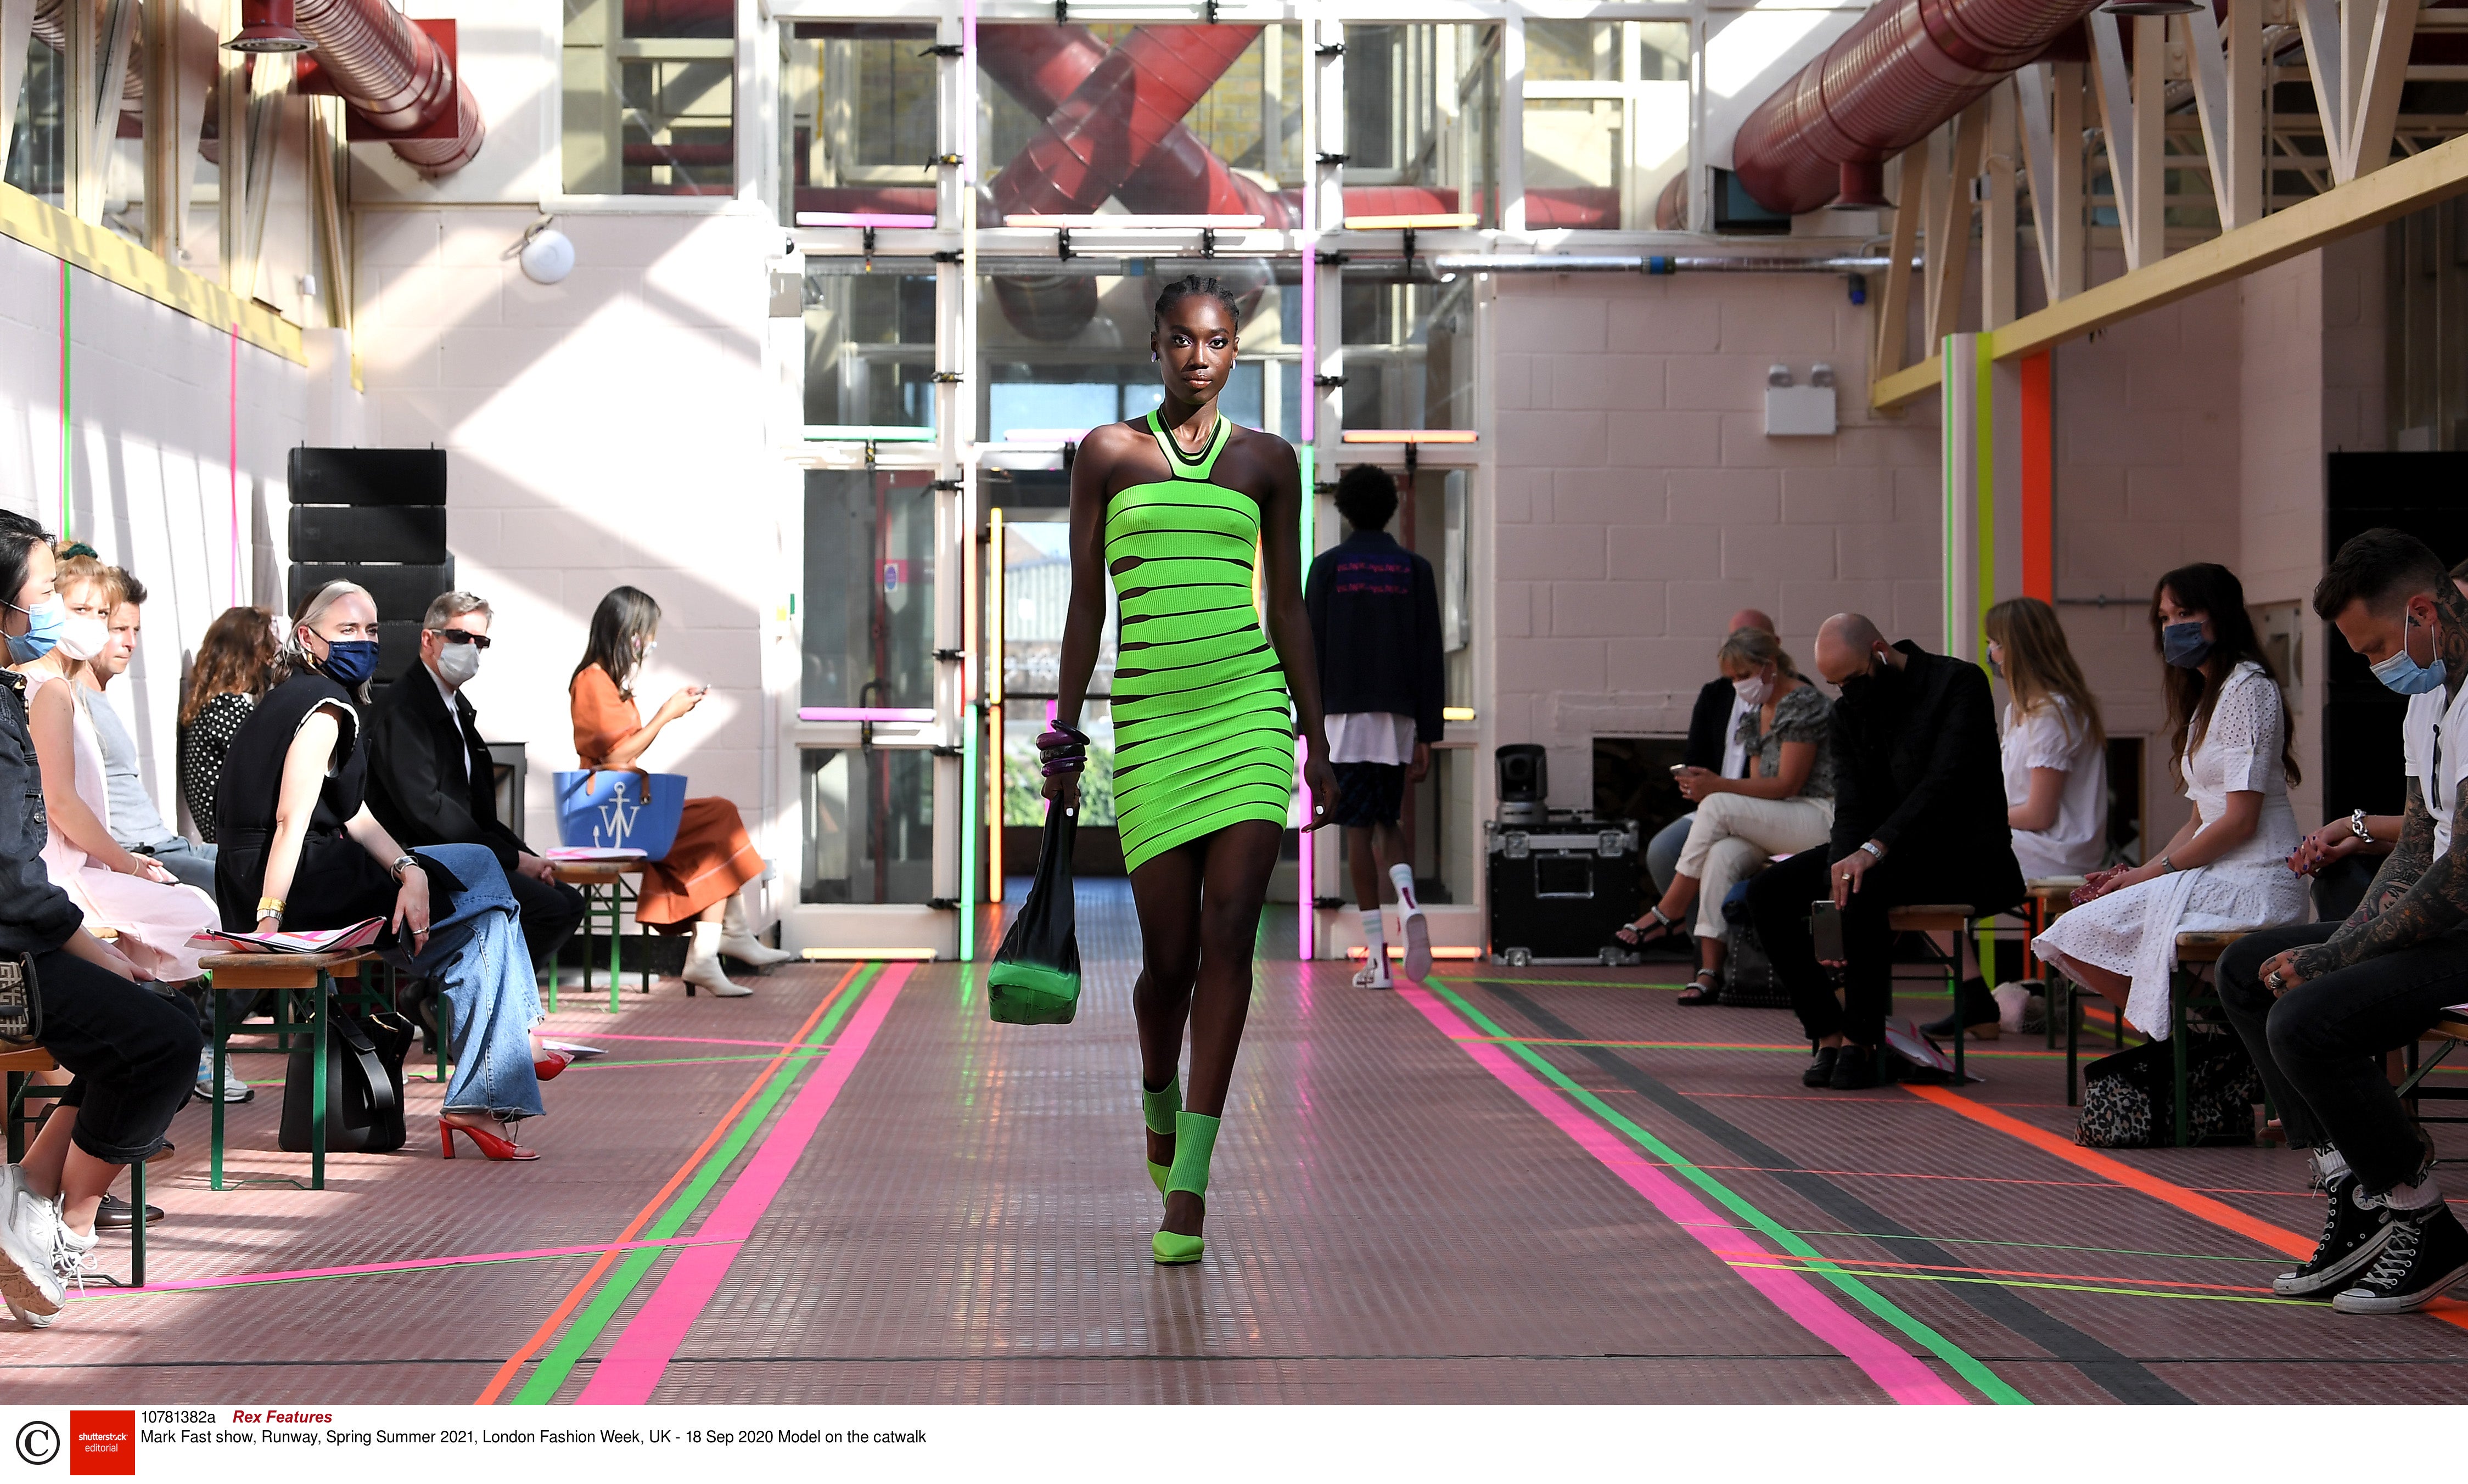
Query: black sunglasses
[{"x": 460, "y": 636}]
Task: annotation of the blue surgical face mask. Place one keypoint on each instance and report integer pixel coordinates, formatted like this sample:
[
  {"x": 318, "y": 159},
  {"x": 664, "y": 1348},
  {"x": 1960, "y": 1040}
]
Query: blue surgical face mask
[
  {"x": 350, "y": 662},
  {"x": 2183, "y": 646},
  {"x": 44, "y": 622},
  {"x": 2401, "y": 672}
]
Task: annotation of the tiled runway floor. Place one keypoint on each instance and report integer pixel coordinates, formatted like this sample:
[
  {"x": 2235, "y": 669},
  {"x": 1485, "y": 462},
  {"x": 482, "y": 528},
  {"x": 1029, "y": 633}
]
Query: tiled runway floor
[{"x": 1536, "y": 1185}]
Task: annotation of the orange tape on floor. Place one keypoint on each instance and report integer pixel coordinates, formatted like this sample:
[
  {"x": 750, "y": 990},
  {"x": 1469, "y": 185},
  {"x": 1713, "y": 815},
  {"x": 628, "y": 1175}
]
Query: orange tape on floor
[{"x": 2279, "y": 1239}]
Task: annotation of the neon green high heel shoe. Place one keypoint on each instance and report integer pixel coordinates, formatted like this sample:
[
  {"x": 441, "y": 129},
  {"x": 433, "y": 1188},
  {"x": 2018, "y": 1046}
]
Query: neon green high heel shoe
[
  {"x": 1195, "y": 1142},
  {"x": 1158, "y": 1110}
]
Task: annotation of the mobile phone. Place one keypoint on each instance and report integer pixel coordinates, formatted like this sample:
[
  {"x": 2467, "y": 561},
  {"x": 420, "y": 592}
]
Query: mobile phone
[{"x": 1825, "y": 927}]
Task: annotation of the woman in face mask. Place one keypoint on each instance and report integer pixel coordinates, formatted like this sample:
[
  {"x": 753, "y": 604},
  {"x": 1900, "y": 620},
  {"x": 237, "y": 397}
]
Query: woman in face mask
[
  {"x": 1785, "y": 805},
  {"x": 299, "y": 850},
  {"x": 153, "y": 913},
  {"x": 2224, "y": 868}
]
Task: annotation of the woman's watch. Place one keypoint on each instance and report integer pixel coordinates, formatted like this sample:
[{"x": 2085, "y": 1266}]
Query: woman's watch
[
  {"x": 2357, "y": 824},
  {"x": 402, "y": 863}
]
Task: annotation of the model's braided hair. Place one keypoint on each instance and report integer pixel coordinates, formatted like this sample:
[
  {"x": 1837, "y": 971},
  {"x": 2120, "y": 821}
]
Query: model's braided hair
[{"x": 1190, "y": 284}]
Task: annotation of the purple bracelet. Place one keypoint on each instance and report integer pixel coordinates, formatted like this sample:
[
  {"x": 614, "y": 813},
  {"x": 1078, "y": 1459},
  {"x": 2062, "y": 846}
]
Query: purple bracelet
[{"x": 1065, "y": 749}]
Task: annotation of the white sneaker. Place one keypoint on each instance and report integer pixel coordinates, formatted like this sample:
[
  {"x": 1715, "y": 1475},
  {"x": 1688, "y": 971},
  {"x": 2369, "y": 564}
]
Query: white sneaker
[
  {"x": 1418, "y": 946},
  {"x": 29, "y": 1240},
  {"x": 1374, "y": 976},
  {"x": 234, "y": 1090}
]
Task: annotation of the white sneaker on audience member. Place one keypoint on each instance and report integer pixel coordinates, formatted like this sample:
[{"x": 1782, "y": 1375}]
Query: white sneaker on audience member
[
  {"x": 28, "y": 1246},
  {"x": 736, "y": 940},
  {"x": 702, "y": 965},
  {"x": 234, "y": 1090}
]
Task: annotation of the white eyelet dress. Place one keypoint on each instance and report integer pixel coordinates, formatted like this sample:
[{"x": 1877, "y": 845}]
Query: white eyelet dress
[{"x": 2134, "y": 931}]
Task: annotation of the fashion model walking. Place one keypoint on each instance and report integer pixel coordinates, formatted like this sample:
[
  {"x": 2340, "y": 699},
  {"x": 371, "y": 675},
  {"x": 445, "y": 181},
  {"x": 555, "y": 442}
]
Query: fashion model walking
[{"x": 1176, "y": 507}]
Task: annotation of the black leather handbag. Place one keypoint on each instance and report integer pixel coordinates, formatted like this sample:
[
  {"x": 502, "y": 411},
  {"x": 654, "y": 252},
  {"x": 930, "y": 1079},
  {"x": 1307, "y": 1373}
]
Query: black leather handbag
[
  {"x": 1035, "y": 976},
  {"x": 364, "y": 1056}
]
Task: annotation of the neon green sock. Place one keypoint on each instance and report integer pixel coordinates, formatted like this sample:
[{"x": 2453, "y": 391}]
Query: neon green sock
[
  {"x": 1195, "y": 1143},
  {"x": 1158, "y": 1107}
]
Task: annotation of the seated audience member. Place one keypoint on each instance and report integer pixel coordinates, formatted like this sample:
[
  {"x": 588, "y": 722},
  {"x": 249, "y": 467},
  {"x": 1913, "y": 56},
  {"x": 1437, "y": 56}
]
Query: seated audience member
[
  {"x": 136, "y": 896},
  {"x": 2225, "y": 867},
  {"x": 234, "y": 666},
  {"x": 2320, "y": 1004},
  {"x": 1785, "y": 805},
  {"x": 135, "y": 823},
  {"x": 1375, "y": 617},
  {"x": 431, "y": 779},
  {"x": 1714, "y": 746},
  {"x": 2055, "y": 754},
  {"x": 694, "y": 887},
  {"x": 128, "y": 1050},
  {"x": 299, "y": 850},
  {"x": 1919, "y": 816}
]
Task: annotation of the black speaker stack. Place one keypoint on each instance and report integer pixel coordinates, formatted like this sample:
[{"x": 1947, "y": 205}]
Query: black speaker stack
[{"x": 375, "y": 516}]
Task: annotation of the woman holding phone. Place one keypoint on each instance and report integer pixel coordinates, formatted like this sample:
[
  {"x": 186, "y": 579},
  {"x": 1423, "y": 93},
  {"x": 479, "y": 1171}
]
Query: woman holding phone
[{"x": 694, "y": 887}]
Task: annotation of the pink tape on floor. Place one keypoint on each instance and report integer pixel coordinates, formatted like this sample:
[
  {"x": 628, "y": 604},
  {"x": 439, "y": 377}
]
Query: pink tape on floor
[
  {"x": 641, "y": 1356},
  {"x": 408, "y": 1265},
  {"x": 705, "y": 1040},
  {"x": 1904, "y": 1377}
]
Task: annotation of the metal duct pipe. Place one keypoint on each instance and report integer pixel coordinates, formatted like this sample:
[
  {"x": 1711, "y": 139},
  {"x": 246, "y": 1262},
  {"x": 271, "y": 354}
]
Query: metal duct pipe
[
  {"x": 394, "y": 74},
  {"x": 1902, "y": 69}
]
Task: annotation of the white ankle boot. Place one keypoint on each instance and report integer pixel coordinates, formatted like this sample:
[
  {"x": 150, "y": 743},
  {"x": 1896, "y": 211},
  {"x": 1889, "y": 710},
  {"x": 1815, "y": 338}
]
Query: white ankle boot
[
  {"x": 738, "y": 941},
  {"x": 702, "y": 965}
]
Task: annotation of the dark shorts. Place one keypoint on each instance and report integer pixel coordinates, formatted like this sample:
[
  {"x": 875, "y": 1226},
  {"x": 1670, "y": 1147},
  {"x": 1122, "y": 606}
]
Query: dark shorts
[{"x": 1368, "y": 794}]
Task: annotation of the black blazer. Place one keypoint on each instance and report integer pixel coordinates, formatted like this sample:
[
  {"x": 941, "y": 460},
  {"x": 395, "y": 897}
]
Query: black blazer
[
  {"x": 1706, "y": 726},
  {"x": 36, "y": 916},
  {"x": 1916, "y": 767},
  {"x": 417, "y": 788}
]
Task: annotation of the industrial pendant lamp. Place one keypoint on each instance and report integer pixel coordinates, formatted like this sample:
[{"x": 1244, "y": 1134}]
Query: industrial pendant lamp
[
  {"x": 265, "y": 26},
  {"x": 2152, "y": 7}
]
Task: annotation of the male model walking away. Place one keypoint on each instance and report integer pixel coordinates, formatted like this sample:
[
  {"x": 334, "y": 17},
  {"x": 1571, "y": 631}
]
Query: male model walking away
[{"x": 1375, "y": 617}]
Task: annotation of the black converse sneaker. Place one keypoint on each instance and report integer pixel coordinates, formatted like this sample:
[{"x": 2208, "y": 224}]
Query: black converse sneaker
[
  {"x": 2425, "y": 1252},
  {"x": 2353, "y": 1234}
]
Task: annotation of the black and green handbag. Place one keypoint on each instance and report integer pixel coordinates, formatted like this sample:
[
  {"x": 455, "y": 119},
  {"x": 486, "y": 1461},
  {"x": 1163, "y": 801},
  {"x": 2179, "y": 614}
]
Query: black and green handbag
[{"x": 1034, "y": 979}]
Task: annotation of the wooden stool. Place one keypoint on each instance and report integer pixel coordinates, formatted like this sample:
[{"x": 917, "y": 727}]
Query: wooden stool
[
  {"x": 604, "y": 890},
  {"x": 2194, "y": 951},
  {"x": 1955, "y": 918},
  {"x": 313, "y": 973},
  {"x": 2447, "y": 1034},
  {"x": 2044, "y": 899},
  {"x": 21, "y": 1063}
]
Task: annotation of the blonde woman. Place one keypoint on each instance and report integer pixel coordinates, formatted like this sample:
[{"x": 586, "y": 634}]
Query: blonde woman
[
  {"x": 135, "y": 895},
  {"x": 1784, "y": 806},
  {"x": 2054, "y": 747}
]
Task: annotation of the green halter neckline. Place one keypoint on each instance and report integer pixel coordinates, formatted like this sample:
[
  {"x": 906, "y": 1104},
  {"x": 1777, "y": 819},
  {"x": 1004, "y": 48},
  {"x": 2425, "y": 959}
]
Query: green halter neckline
[{"x": 1190, "y": 465}]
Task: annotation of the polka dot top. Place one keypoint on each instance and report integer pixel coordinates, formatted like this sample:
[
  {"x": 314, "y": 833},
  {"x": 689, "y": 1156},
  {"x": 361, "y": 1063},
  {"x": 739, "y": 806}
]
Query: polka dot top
[{"x": 203, "y": 742}]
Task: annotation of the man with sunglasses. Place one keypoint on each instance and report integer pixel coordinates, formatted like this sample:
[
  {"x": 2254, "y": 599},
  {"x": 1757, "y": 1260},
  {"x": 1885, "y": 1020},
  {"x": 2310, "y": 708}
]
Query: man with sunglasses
[{"x": 431, "y": 779}]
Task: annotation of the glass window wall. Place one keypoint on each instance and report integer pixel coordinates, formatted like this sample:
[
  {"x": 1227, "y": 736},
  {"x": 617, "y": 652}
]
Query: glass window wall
[
  {"x": 869, "y": 825},
  {"x": 1421, "y": 109},
  {"x": 869, "y": 345},
  {"x": 1606, "y": 119},
  {"x": 651, "y": 96},
  {"x": 37, "y": 161},
  {"x": 1064, "y": 344},
  {"x": 1408, "y": 353},
  {"x": 858, "y": 124},
  {"x": 869, "y": 593}
]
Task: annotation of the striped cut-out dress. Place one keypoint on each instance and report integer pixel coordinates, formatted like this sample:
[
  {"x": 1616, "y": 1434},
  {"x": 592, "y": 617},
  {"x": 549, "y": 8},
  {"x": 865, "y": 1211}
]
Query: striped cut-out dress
[{"x": 1203, "y": 731}]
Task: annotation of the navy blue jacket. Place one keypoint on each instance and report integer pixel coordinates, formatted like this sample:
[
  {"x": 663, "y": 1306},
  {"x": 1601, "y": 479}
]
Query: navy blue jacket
[
  {"x": 36, "y": 916},
  {"x": 1375, "y": 617}
]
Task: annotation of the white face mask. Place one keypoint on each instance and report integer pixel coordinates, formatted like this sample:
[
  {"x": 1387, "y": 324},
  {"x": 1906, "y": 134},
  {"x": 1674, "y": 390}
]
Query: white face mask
[
  {"x": 83, "y": 637},
  {"x": 1752, "y": 691},
  {"x": 458, "y": 663}
]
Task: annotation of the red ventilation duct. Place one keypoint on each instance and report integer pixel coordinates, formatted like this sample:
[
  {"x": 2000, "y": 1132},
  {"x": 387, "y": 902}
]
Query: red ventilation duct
[
  {"x": 399, "y": 78},
  {"x": 1901, "y": 70}
]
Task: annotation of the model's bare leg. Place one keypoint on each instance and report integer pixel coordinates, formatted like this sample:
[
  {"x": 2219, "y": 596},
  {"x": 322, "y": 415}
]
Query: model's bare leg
[{"x": 1166, "y": 891}]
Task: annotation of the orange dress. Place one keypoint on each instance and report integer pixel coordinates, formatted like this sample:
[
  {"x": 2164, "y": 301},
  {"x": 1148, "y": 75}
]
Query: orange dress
[{"x": 712, "y": 857}]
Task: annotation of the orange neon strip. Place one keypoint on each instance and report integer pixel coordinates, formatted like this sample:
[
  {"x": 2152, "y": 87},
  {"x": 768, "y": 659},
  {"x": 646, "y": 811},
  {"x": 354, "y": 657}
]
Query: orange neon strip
[
  {"x": 1429, "y": 221},
  {"x": 1398, "y": 951},
  {"x": 1409, "y": 435}
]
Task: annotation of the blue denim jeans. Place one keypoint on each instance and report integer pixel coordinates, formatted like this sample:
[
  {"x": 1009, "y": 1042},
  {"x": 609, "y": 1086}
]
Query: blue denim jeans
[
  {"x": 1663, "y": 851},
  {"x": 475, "y": 953}
]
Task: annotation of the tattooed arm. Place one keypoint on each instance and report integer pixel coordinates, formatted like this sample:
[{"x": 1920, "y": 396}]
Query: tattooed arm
[{"x": 2414, "y": 898}]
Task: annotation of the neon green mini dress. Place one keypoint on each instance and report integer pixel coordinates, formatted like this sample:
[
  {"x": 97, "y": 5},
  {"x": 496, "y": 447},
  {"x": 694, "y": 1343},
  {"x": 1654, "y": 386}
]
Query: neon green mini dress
[{"x": 1203, "y": 731}]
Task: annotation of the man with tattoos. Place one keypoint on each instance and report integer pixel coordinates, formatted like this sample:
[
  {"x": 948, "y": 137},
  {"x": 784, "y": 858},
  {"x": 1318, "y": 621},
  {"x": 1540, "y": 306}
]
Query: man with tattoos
[{"x": 2318, "y": 1005}]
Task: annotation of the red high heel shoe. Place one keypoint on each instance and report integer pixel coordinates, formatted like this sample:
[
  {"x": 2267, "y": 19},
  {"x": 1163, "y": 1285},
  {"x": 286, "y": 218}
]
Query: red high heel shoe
[
  {"x": 487, "y": 1143},
  {"x": 550, "y": 1064}
]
